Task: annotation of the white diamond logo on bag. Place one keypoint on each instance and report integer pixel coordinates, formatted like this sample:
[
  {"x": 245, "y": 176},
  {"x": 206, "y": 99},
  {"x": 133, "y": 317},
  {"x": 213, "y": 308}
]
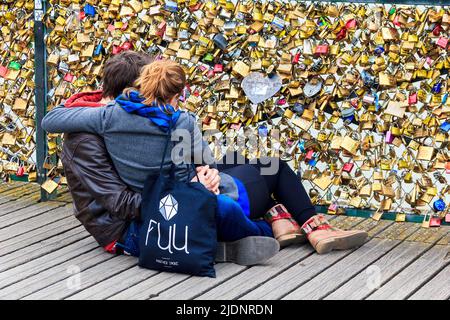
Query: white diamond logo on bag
[{"x": 168, "y": 206}]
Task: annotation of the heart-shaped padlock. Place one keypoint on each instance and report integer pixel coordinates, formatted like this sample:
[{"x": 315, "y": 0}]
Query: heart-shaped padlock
[{"x": 259, "y": 87}]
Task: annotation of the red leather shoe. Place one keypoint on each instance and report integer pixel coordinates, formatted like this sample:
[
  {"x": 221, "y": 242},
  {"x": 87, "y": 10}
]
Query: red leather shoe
[
  {"x": 285, "y": 229},
  {"x": 324, "y": 237}
]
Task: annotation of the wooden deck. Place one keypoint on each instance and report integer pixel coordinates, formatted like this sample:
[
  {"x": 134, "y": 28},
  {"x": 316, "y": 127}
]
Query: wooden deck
[{"x": 46, "y": 254}]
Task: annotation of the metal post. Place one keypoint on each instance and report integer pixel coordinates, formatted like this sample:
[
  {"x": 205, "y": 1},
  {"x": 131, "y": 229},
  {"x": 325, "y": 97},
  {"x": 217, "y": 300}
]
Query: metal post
[{"x": 40, "y": 78}]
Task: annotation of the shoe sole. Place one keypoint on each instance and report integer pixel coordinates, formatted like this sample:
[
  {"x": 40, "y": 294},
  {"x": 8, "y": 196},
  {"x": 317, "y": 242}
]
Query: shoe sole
[
  {"x": 287, "y": 240},
  {"x": 248, "y": 251},
  {"x": 341, "y": 243}
]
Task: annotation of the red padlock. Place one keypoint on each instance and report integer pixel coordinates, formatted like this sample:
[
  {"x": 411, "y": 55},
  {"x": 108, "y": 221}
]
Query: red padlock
[
  {"x": 309, "y": 154},
  {"x": 348, "y": 167},
  {"x": 341, "y": 34},
  {"x": 435, "y": 222},
  {"x": 447, "y": 218},
  {"x": 412, "y": 99},
  {"x": 296, "y": 58},
  {"x": 81, "y": 15},
  {"x": 20, "y": 171},
  {"x": 350, "y": 24},
  {"x": 437, "y": 30},
  {"x": 281, "y": 102},
  {"x": 69, "y": 77},
  {"x": 161, "y": 29},
  {"x": 322, "y": 49},
  {"x": 3, "y": 71},
  {"x": 218, "y": 68},
  {"x": 116, "y": 50},
  {"x": 126, "y": 46},
  {"x": 442, "y": 42}
]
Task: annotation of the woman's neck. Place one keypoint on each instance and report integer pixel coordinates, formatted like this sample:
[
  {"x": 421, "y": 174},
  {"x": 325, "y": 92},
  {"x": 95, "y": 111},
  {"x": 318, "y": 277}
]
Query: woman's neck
[{"x": 106, "y": 100}]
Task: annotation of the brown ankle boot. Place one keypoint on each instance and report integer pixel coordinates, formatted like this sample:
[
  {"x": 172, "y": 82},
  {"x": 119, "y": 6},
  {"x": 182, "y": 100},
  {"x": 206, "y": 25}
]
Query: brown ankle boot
[
  {"x": 324, "y": 238},
  {"x": 284, "y": 227}
]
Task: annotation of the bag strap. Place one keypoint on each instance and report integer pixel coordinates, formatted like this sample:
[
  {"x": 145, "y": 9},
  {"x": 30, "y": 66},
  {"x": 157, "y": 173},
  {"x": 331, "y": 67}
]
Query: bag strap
[
  {"x": 169, "y": 135},
  {"x": 193, "y": 168},
  {"x": 189, "y": 167}
]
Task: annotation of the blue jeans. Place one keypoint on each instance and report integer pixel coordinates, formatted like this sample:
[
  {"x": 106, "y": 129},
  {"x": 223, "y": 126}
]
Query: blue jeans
[{"x": 232, "y": 225}]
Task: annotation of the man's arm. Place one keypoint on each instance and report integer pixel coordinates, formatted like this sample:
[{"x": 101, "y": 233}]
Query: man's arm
[
  {"x": 82, "y": 119},
  {"x": 94, "y": 169}
]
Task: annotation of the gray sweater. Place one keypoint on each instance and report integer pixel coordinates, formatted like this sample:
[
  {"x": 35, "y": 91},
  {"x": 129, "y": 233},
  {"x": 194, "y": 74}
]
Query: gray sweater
[{"x": 136, "y": 144}]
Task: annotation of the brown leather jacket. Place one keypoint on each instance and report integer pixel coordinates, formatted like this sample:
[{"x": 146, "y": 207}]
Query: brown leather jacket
[{"x": 102, "y": 202}]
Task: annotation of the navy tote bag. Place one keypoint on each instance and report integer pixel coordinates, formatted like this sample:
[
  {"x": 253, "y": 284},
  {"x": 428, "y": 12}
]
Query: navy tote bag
[{"x": 178, "y": 233}]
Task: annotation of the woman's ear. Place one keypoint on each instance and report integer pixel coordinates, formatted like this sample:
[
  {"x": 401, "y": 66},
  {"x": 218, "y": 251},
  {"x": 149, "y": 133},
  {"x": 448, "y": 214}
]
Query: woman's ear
[{"x": 174, "y": 101}]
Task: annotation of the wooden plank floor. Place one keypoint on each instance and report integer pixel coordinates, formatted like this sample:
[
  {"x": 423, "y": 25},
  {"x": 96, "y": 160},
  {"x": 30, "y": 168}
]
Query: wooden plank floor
[{"x": 46, "y": 254}]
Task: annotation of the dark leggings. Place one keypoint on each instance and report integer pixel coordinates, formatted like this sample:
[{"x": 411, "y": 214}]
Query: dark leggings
[{"x": 283, "y": 185}]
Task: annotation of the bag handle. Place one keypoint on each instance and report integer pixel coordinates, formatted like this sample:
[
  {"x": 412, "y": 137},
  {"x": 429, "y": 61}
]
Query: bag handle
[
  {"x": 172, "y": 167},
  {"x": 169, "y": 135}
]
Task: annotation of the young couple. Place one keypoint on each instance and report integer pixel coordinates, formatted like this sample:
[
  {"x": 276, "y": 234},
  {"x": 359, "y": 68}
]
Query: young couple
[{"x": 115, "y": 138}]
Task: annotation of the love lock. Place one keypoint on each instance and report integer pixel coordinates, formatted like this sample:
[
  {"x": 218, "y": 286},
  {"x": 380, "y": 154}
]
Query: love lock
[
  {"x": 317, "y": 65},
  {"x": 313, "y": 192},
  {"x": 20, "y": 170},
  {"x": 11, "y": 127},
  {"x": 259, "y": 88},
  {"x": 312, "y": 87}
]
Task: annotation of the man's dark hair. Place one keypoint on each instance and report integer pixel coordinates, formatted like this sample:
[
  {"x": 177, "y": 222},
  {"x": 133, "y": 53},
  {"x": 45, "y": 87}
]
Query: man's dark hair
[{"x": 122, "y": 70}]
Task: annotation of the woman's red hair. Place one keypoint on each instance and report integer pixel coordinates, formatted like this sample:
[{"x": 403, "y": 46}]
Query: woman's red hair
[{"x": 160, "y": 81}]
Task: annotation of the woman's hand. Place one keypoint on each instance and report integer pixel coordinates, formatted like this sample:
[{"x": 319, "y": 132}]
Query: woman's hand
[{"x": 209, "y": 177}]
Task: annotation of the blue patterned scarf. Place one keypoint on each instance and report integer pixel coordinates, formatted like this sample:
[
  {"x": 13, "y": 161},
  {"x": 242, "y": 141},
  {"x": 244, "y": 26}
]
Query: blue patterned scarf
[{"x": 133, "y": 103}]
